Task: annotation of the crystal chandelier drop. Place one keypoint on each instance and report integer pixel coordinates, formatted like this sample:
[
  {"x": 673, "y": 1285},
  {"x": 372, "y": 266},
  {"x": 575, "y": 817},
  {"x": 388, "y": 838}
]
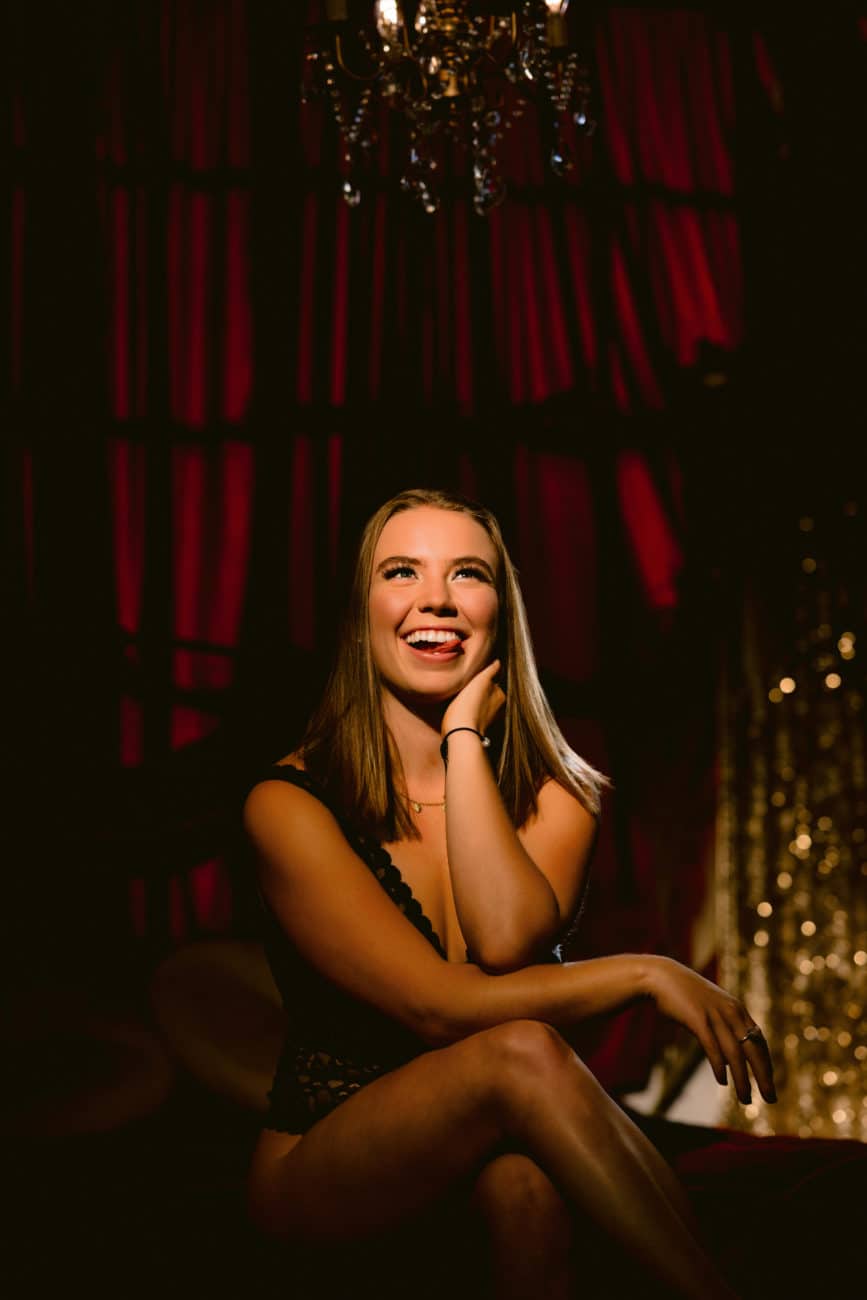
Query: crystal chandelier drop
[{"x": 460, "y": 73}]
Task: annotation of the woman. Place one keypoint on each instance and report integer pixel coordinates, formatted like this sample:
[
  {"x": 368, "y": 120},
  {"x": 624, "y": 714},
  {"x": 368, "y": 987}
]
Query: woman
[{"x": 424, "y": 1058}]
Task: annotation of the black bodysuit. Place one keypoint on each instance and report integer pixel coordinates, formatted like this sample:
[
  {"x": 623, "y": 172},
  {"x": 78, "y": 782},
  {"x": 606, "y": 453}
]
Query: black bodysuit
[{"x": 335, "y": 1043}]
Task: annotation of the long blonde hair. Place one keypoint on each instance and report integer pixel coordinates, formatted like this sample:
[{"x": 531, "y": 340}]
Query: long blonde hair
[{"x": 347, "y": 746}]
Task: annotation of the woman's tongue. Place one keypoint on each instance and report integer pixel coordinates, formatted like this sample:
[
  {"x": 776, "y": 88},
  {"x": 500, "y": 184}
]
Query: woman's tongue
[{"x": 437, "y": 647}]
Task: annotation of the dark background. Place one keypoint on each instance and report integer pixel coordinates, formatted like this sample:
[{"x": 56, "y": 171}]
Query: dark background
[{"x": 651, "y": 370}]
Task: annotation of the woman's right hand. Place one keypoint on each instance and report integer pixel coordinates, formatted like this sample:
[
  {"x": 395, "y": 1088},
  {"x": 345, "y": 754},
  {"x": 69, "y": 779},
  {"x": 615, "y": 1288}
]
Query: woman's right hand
[
  {"x": 477, "y": 703},
  {"x": 719, "y": 1022}
]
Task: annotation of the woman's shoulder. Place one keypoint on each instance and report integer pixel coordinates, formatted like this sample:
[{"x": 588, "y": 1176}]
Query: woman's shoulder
[
  {"x": 287, "y": 788},
  {"x": 271, "y": 787},
  {"x": 554, "y": 800},
  {"x": 288, "y": 816},
  {"x": 284, "y": 796}
]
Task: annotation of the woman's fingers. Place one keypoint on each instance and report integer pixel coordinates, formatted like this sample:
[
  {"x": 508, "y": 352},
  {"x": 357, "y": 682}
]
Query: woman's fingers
[
  {"x": 752, "y": 1043},
  {"x": 706, "y": 1036},
  {"x": 754, "y": 1046},
  {"x": 758, "y": 1054},
  {"x": 740, "y": 1050},
  {"x": 733, "y": 1052},
  {"x": 493, "y": 697},
  {"x": 478, "y": 702}
]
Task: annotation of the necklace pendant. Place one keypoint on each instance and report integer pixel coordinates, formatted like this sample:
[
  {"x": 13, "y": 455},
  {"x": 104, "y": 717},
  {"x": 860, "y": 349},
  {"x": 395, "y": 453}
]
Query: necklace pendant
[{"x": 416, "y": 806}]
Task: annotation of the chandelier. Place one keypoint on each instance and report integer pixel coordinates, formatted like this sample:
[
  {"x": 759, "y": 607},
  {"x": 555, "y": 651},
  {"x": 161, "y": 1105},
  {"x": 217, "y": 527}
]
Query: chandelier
[{"x": 460, "y": 74}]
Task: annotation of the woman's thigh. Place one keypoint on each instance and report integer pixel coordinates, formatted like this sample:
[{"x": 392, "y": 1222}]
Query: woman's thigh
[{"x": 396, "y": 1147}]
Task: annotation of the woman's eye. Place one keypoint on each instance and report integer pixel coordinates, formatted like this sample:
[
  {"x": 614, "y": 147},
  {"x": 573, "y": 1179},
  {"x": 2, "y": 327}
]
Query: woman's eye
[
  {"x": 399, "y": 571},
  {"x": 470, "y": 571}
]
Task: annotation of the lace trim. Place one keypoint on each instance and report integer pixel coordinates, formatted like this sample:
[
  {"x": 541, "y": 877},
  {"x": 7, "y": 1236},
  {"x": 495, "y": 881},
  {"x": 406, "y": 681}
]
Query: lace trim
[
  {"x": 327, "y": 1080},
  {"x": 377, "y": 858}
]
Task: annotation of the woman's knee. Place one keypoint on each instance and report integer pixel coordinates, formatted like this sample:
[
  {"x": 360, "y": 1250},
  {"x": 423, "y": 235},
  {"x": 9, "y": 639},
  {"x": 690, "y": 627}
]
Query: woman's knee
[
  {"x": 529, "y": 1055},
  {"x": 526, "y": 1041}
]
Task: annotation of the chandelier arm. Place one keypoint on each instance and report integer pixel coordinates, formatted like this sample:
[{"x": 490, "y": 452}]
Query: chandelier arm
[
  {"x": 415, "y": 69},
  {"x": 404, "y": 30},
  {"x": 482, "y": 56},
  {"x": 353, "y": 76}
]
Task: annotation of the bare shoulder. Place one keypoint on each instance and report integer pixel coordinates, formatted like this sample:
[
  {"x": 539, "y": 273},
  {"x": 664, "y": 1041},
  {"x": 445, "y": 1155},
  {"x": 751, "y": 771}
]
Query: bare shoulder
[
  {"x": 265, "y": 798},
  {"x": 276, "y": 809},
  {"x": 559, "y": 806}
]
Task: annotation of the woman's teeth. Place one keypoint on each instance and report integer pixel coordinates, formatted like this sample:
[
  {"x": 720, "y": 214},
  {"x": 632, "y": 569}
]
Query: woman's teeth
[{"x": 433, "y": 641}]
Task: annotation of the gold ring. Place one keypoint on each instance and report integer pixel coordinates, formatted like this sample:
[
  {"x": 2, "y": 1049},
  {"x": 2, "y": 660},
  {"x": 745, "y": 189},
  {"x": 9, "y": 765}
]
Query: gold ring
[{"x": 753, "y": 1034}]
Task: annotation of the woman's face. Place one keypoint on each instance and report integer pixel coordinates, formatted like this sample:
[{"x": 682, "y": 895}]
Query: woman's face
[{"x": 433, "y": 602}]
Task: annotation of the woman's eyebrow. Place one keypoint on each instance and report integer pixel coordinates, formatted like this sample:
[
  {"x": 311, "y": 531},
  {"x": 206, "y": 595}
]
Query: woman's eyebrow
[
  {"x": 396, "y": 559},
  {"x": 474, "y": 559}
]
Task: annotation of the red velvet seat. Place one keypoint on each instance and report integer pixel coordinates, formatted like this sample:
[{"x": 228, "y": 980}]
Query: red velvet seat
[{"x": 784, "y": 1215}]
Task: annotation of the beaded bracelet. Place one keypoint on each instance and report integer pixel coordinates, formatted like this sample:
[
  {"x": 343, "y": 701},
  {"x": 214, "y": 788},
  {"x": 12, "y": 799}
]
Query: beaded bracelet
[{"x": 444, "y": 747}]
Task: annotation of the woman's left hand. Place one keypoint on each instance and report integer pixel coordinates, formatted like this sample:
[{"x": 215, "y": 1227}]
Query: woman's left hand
[{"x": 476, "y": 704}]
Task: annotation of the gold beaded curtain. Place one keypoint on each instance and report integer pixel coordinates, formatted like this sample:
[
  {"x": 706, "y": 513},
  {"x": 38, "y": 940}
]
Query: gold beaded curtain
[{"x": 792, "y": 829}]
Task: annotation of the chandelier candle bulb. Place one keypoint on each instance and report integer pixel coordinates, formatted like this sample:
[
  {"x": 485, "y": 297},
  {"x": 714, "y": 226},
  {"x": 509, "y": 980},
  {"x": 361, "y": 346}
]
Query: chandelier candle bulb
[{"x": 556, "y": 30}]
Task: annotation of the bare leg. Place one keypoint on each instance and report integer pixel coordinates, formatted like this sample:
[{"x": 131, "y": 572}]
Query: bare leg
[
  {"x": 604, "y": 1163},
  {"x": 404, "y": 1141},
  {"x": 529, "y": 1231}
]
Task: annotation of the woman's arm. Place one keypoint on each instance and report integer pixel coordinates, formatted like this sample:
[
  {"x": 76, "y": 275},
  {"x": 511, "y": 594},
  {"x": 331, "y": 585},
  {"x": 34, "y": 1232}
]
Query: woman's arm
[
  {"x": 514, "y": 890},
  {"x": 343, "y": 923}
]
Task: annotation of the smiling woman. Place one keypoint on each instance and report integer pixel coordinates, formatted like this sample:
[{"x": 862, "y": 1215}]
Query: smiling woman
[
  {"x": 349, "y": 745},
  {"x": 421, "y": 855}
]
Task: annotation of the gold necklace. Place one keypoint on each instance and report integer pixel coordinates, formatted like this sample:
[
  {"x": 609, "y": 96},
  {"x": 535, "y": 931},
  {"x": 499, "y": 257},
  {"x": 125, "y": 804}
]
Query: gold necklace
[{"x": 418, "y": 804}]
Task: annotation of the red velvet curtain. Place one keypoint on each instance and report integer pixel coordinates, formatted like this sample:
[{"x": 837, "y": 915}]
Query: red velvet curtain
[{"x": 263, "y": 365}]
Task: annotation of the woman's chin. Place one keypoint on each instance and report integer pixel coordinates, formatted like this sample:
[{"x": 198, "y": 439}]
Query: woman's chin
[
  {"x": 432, "y": 696},
  {"x": 421, "y": 699}
]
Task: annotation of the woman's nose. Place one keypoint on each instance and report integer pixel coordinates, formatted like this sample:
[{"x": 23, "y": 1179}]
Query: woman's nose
[{"x": 435, "y": 596}]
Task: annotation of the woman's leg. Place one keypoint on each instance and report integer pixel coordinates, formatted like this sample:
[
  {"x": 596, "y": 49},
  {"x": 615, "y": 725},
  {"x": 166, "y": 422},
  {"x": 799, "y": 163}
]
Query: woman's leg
[
  {"x": 402, "y": 1142},
  {"x": 528, "y": 1231}
]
